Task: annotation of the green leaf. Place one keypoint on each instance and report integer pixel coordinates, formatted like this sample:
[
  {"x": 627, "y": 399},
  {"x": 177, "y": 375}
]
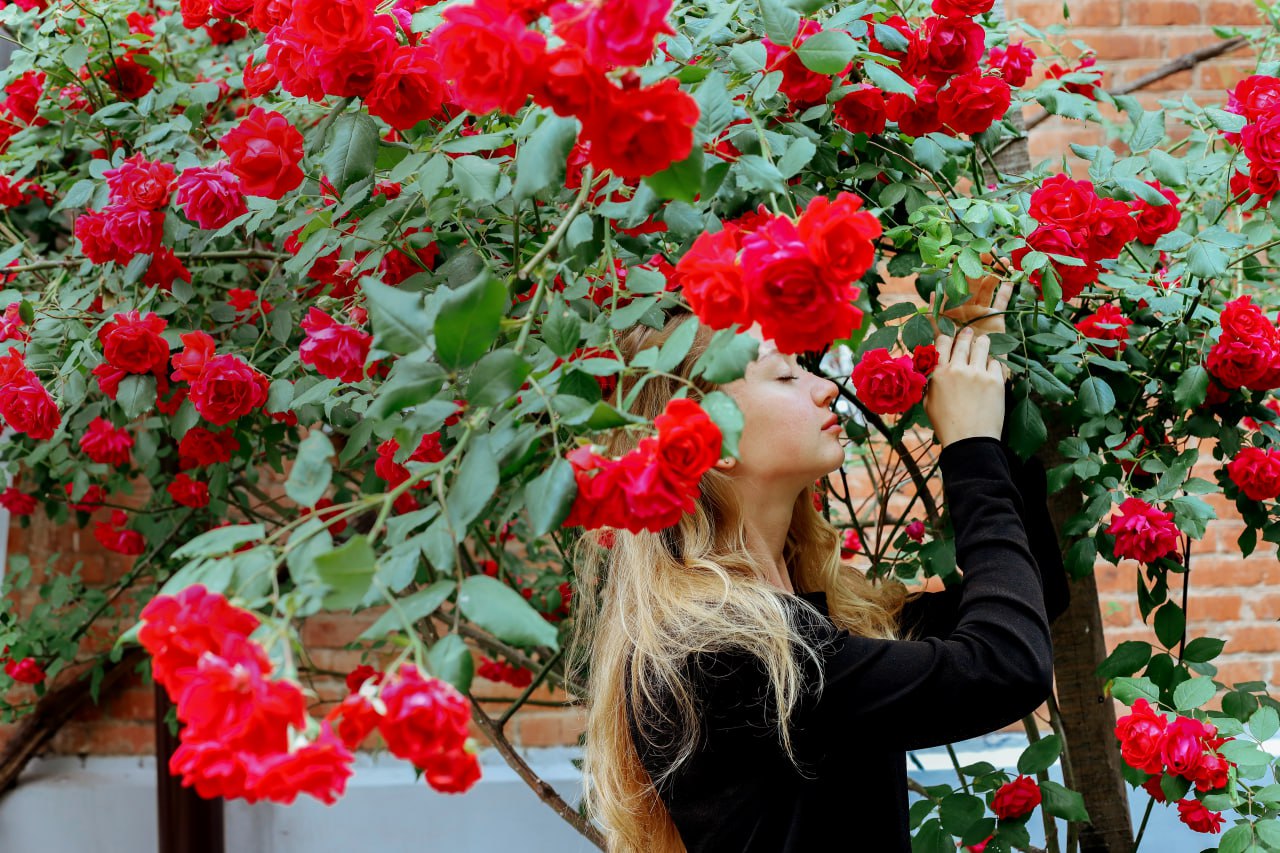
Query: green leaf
[
  {"x": 469, "y": 320},
  {"x": 561, "y": 328},
  {"x": 502, "y": 611},
  {"x": 497, "y": 378},
  {"x": 722, "y": 409},
  {"x": 681, "y": 180},
  {"x": 1206, "y": 260},
  {"x": 888, "y": 80},
  {"x": 1193, "y": 693},
  {"x": 1062, "y": 802},
  {"x": 798, "y": 155},
  {"x": 351, "y": 150},
  {"x": 136, "y": 395},
  {"x": 347, "y": 571},
  {"x": 1027, "y": 432},
  {"x": 1169, "y": 623},
  {"x": 398, "y": 317},
  {"x": 959, "y": 810},
  {"x": 549, "y": 496},
  {"x": 757, "y": 173},
  {"x": 1202, "y": 649},
  {"x": 1148, "y": 131},
  {"x": 540, "y": 161},
  {"x": 451, "y": 661},
  {"x": 1192, "y": 387},
  {"x": 828, "y": 52},
  {"x": 311, "y": 472},
  {"x": 1129, "y": 690},
  {"x": 1128, "y": 657},
  {"x": 411, "y": 608},
  {"x": 1237, "y": 839},
  {"x": 1096, "y": 397},
  {"x": 1264, "y": 723},
  {"x": 475, "y": 484},
  {"x": 726, "y": 357},
  {"x": 1168, "y": 170},
  {"x": 1040, "y": 755},
  {"x": 413, "y": 381},
  {"x": 781, "y": 22},
  {"x": 715, "y": 109},
  {"x": 477, "y": 178},
  {"x": 220, "y": 540}
]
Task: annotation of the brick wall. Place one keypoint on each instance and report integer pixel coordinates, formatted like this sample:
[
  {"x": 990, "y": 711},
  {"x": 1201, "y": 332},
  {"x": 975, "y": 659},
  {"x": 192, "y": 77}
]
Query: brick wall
[{"x": 1235, "y": 598}]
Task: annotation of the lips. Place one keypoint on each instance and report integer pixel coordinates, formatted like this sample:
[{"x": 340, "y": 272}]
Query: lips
[{"x": 830, "y": 423}]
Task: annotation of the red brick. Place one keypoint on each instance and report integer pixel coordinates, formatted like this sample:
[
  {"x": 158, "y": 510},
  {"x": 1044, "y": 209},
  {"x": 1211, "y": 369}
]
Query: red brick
[
  {"x": 1128, "y": 72},
  {"x": 335, "y": 630},
  {"x": 1222, "y": 76},
  {"x": 106, "y": 738},
  {"x": 1212, "y": 608},
  {"x": 1112, "y": 44},
  {"x": 1043, "y": 13},
  {"x": 1181, "y": 42},
  {"x": 1235, "y": 671},
  {"x": 1252, "y": 638},
  {"x": 1265, "y": 606},
  {"x": 1119, "y": 614},
  {"x": 1159, "y": 13},
  {"x": 1227, "y": 571},
  {"x": 551, "y": 728},
  {"x": 1225, "y": 13}
]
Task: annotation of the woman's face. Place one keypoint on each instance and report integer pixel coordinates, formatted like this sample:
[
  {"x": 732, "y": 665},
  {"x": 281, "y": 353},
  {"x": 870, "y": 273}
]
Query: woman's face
[{"x": 785, "y": 410}]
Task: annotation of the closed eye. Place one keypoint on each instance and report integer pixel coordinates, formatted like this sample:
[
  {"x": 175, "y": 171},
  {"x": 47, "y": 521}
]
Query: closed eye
[{"x": 787, "y": 378}]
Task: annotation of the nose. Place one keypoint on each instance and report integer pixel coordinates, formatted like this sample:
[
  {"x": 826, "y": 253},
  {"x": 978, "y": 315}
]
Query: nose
[{"x": 828, "y": 392}]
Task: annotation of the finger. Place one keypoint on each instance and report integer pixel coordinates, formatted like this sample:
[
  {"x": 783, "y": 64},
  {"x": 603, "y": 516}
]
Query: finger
[
  {"x": 980, "y": 352},
  {"x": 960, "y": 349},
  {"x": 942, "y": 343},
  {"x": 1003, "y": 295}
]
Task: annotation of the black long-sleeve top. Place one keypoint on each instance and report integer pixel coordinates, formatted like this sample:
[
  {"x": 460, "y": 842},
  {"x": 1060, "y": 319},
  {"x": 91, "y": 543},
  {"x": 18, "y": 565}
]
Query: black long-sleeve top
[{"x": 983, "y": 659}]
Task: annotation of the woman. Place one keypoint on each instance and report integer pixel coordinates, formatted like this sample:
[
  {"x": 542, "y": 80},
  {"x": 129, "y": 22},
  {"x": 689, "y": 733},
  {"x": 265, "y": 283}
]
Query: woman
[{"x": 747, "y": 691}]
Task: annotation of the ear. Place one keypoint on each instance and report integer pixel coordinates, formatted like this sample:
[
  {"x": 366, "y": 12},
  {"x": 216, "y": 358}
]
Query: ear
[{"x": 725, "y": 463}]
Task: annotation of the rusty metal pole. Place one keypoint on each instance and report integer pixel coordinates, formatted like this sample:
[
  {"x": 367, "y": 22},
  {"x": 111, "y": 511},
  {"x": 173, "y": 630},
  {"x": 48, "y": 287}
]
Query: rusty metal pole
[{"x": 188, "y": 823}]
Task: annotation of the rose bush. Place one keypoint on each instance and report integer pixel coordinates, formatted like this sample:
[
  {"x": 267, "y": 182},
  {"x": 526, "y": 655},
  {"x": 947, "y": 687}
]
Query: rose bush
[{"x": 372, "y": 256}]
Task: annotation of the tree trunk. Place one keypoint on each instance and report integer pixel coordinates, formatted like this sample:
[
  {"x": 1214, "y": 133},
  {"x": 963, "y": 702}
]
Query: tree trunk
[
  {"x": 1088, "y": 715},
  {"x": 188, "y": 823}
]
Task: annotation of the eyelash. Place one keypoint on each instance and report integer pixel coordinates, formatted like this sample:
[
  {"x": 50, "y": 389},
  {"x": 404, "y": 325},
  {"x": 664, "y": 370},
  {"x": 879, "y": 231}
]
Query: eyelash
[{"x": 787, "y": 378}]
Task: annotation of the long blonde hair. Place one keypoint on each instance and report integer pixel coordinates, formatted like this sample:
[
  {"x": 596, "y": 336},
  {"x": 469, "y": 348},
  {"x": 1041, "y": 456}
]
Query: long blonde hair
[{"x": 646, "y": 604}]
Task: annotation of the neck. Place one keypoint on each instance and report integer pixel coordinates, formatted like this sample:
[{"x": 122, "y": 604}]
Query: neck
[{"x": 766, "y": 522}]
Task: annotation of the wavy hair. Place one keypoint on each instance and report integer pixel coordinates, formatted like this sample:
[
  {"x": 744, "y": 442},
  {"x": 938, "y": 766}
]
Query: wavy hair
[{"x": 646, "y": 604}]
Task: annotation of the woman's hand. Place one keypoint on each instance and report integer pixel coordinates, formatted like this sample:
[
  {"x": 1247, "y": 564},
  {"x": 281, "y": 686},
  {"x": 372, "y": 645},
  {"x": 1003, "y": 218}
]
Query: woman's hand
[
  {"x": 965, "y": 397},
  {"x": 979, "y": 312}
]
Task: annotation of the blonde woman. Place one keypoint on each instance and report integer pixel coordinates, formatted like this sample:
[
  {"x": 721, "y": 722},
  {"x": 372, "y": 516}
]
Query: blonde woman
[{"x": 749, "y": 692}]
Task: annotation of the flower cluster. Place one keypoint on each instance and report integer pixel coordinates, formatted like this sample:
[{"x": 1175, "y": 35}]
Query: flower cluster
[
  {"x": 1083, "y": 229},
  {"x": 222, "y": 388},
  {"x": 1184, "y": 747},
  {"x": 653, "y": 485},
  {"x": 1107, "y": 323},
  {"x": 243, "y": 729},
  {"x": 25, "y": 404},
  {"x": 1247, "y": 352},
  {"x": 793, "y": 277},
  {"x": 1257, "y": 99},
  {"x": 1143, "y": 532},
  {"x": 422, "y": 720},
  {"x": 503, "y": 672}
]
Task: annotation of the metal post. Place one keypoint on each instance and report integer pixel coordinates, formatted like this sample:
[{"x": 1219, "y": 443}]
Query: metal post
[{"x": 188, "y": 823}]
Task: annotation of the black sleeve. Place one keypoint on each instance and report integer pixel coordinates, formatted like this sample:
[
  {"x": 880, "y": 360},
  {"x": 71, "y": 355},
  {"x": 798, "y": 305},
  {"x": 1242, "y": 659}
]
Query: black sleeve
[
  {"x": 934, "y": 614},
  {"x": 995, "y": 667}
]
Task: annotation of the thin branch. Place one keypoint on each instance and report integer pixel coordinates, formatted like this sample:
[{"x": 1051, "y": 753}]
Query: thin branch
[{"x": 232, "y": 254}]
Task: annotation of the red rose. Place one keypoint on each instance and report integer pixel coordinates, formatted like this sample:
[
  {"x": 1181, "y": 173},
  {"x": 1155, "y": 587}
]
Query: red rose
[
  {"x": 89, "y": 501},
  {"x": 195, "y": 13},
  {"x": 1194, "y": 814},
  {"x": 350, "y": 71},
  {"x": 688, "y": 440},
  {"x": 453, "y": 772},
  {"x": 1152, "y": 787},
  {"x": 189, "y": 492},
  {"x": 1255, "y": 96},
  {"x": 115, "y": 537},
  {"x": 862, "y": 110},
  {"x": 132, "y": 342},
  {"x": 319, "y": 768},
  {"x": 893, "y": 22},
  {"x": 943, "y": 48},
  {"x": 571, "y": 87},
  {"x": 925, "y": 358},
  {"x": 711, "y": 280},
  {"x": 1016, "y": 799},
  {"x": 1113, "y": 226},
  {"x": 165, "y": 268},
  {"x": 1107, "y": 323},
  {"x": 133, "y": 230},
  {"x": 211, "y": 196},
  {"x": 189, "y": 364},
  {"x": 228, "y": 389},
  {"x": 803, "y": 87},
  {"x": 850, "y": 544},
  {"x": 386, "y": 467},
  {"x": 1141, "y": 736},
  {"x": 1065, "y": 203},
  {"x": 915, "y": 530},
  {"x": 653, "y": 495},
  {"x": 336, "y": 350},
  {"x": 1054, "y": 240},
  {"x": 1244, "y": 364},
  {"x": 1213, "y": 772},
  {"x": 200, "y": 447},
  {"x": 269, "y": 14},
  {"x": 1013, "y": 62},
  {"x": 613, "y": 34},
  {"x": 128, "y": 78},
  {"x": 795, "y": 302},
  {"x": 264, "y": 151},
  {"x": 1143, "y": 532},
  {"x": 887, "y": 385},
  {"x": 840, "y": 236},
  {"x": 640, "y": 131},
  {"x": 918, "y": 116},
  {"x": 492, "y": 59},
  {"x": 295, "y": 62},
  {"x": 1241, "y": 320},
  {"x": 105, "y": 443},
  {"x": 1083, "y": 68},
  {"x": 424, "y": 717},
  {"x": 259, "y": 78},
  {"x": 23, "y": 99},
  {"x": 96, "y": 242},
  {"x": 962, "y": 8},
  {"x": 1261, "y": 140},
  {"x": 25, "y": 671},
  {"x": 16, "y": 502},
  {"x": 397, "y": 264},
  {"x": 1256, "y": 472},
  {"x": 1154, "y": 221},
  {"x": 140, "y": 183},
  {"x": 332, "y": 23},
  {"x": 409, "y": 89},
  {"x": 972, "y": 102}
]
